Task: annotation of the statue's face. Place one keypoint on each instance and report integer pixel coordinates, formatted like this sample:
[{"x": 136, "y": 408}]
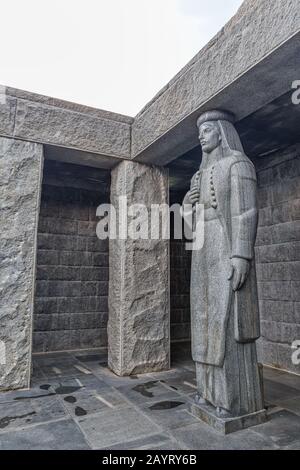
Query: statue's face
[{"x": 209, "y": 136}]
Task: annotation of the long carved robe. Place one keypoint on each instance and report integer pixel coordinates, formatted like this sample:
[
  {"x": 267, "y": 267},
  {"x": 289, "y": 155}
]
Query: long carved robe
[{"x": 225, "y": 324}]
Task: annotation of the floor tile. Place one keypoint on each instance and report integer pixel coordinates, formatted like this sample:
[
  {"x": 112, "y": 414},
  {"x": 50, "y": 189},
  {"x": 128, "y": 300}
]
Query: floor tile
[
  {"x": 276, "y": 392},
  {"x": 155, "y": 441},
  {"x": 283, "y": 428},
  {"x": 59, "y": 435},
  {"x": 202, "y": 437},
  {"x": 170, "y": 413},
  {"x": 24, "y": 412},
  {"x": 116, "y": 426},
  {"x": 148, "y": 392}
]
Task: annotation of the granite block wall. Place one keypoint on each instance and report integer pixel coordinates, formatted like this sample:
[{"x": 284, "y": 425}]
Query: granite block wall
[
  {"x": 180, "y": 268},
  {"x": 180, "y": 275},
  {"x": 278, "y": 256},
  {"x": 71, "y": 299}
]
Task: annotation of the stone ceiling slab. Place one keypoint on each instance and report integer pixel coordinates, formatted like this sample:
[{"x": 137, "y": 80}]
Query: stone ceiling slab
[{"x": 250, "y": 62}]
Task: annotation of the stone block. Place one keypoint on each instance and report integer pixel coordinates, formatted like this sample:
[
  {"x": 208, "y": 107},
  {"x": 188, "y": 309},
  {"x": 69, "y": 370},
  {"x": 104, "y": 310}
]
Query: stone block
[
  {"x": 265, "y": 217},
  {"x": 277, "y": 311},
  {"x": 44, "y": 306},
  {"x": 294, "y": 251},
  {"x": 208, "y": 415},
  {"x": 275, "y": 290},
  {"x": 87, "y": 228},
  {"x": 7, "y": 113},
  {"x": 295, "y": 209},
  {"x": 296, "y": 291},
  {"x": 285, "y": 361},
  {"x": 101, "y": 260},
  {"x": 102, "y": 288},
  {"x": 295, "y": 270},
  {"x": 94, "y": 274},
  {"x": 281, "y": 213},
  {"x": 138, "y": 327},
  {"x": 73, "y": 258},
  {"x": 21, "y": 172},
  {"x": 89, "y": 133},
  {"x": 274, "y": 253},
  {"x": 58, "y": 226},
  {"x": 288, "y": 232},
  {"x": 269, "y": 353},
  {"x": 46, "y": 257},
  {"x": 274, "y": 271}
]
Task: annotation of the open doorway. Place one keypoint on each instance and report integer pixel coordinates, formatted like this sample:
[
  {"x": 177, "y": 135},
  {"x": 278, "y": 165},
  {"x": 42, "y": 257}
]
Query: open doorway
[{"x": 71, "y": 298}]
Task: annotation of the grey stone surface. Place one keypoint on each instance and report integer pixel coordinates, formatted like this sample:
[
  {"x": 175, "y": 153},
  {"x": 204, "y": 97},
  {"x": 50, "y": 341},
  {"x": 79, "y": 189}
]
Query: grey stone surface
[
  {"x": 62, "y": 435},
  {"x": 180, "y": 267},
  {"x": 110, "y": 427},
  {"x": 224, "y": 301},
  {"x": 277, "y": 255},
  {"x": 200, "y": 436},
  {"x": 7, "y": 113},
  {"x": 283, "y": 428},
  {"x": 68, "y": 105},
  {"x": 138, "y": 327},
  {"x": 71, "y": 302},
  {"x": 100, "y": 409},
  {"x": 230, "y": 58},
  {"x": 227, "y": 426},
  {"x": 74, "y": 133},
  {"x": 21, "y": 169},
  {"x": 27, "y": 412},
  {"x": 68, "y": 128},
  {"x": 170, "y": 413}
]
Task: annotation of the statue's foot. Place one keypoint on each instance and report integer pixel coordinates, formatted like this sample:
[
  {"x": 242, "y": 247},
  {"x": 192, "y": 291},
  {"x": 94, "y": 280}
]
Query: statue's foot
[
  {"x": 200, "y": 401},
  {"x": 222, "y": 413}
]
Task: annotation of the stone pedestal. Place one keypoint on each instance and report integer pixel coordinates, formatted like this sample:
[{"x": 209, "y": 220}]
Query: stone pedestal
[
  {"x": 21, "y": 171},
  {"x": 207, "y": 413},
  {"x": 139, "y": 323}
]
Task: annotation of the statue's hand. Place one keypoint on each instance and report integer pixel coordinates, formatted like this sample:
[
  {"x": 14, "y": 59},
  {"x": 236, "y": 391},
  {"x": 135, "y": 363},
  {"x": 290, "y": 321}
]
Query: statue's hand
[
  {"x": 239, "y": 272},
  {"x": 194, "y": 195}
]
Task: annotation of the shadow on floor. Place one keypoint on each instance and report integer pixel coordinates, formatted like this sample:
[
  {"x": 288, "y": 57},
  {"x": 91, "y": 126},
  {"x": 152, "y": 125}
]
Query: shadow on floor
[{"x": 76, "y": 403}]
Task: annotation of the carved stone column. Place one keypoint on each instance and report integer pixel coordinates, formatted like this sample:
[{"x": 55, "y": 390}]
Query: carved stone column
[
  {"x": 139, "y": 323},
  {"x": 21, "y": 172}
]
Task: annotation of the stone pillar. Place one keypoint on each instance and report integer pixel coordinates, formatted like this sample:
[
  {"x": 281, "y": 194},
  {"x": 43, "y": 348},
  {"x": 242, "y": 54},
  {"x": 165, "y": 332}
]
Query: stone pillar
[
  {"x": 20, "y": 182},
  {"x": 139, "y": 320}
]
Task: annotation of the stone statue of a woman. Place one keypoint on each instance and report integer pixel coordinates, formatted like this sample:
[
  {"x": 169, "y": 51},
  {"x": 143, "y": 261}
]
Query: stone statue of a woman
[{"x": 224, "y": 304}]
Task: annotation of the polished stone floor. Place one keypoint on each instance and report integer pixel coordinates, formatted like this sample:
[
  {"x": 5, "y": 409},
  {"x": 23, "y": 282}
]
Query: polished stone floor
[{"x": 77, "y": 403}]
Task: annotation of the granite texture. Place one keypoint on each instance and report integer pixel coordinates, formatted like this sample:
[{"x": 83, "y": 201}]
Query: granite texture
[
  {"x": 224, "y": 301},
  {"x": 278, "y": 256},
  {"x": 180, "y": 267},
  {"x": 68, "y": 128},
  {"x": 96, "y": 134},
  {"x": 225, "y": 426},
  {"x": 71, "y": 303},
  {"x": 21, "y": 169},
  {"x": 257, "y": 29},
  {"x": 138, "y": 328},
  {"x": 7, "y": 113}
]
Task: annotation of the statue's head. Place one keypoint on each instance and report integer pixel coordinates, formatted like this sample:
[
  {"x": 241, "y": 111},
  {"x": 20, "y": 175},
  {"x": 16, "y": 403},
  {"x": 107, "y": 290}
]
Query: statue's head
[
  {"x": 209, "y": 136},
  {"x": 216, "y": 129}
]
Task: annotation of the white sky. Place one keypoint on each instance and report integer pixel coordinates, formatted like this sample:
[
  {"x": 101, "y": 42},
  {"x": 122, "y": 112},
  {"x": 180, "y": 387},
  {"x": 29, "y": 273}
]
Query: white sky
[{"x": 110, "y": 54}]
